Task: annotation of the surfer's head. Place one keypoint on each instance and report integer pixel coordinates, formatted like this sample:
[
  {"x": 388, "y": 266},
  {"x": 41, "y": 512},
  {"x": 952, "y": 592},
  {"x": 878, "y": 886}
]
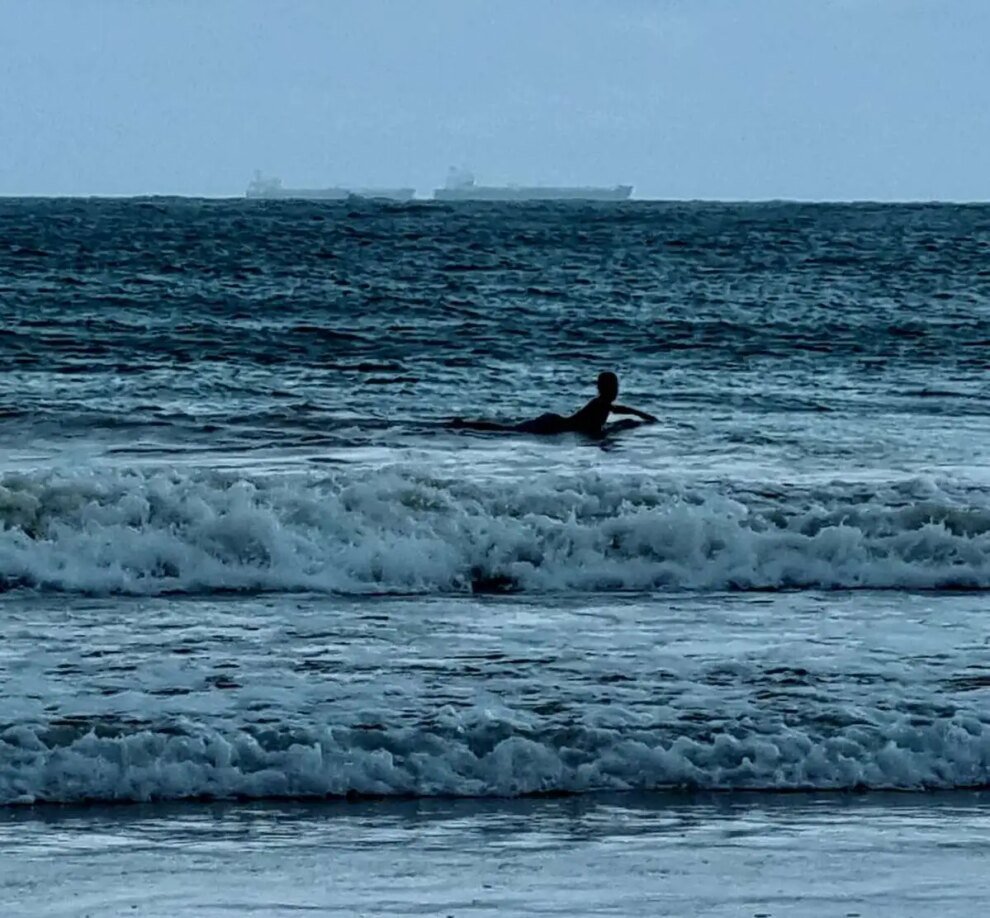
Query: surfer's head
[{"x": 608, "y": 386}]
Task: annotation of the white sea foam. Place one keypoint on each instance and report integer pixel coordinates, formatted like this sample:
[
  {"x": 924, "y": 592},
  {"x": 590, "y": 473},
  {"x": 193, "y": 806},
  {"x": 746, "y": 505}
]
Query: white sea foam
[
  {"x": 63, "y": 766},
  {"x": 399, "y": 530}
]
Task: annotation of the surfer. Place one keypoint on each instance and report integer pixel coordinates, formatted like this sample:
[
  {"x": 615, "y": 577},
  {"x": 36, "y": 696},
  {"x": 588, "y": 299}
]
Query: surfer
[{"x": 589, "y": 420}]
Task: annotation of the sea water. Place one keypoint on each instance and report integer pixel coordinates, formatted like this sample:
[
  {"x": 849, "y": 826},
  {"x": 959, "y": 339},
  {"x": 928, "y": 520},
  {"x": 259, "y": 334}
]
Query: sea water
[{"x": 243, "y": 557}]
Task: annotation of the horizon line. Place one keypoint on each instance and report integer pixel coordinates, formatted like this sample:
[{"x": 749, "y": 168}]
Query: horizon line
[{"x": 82, "y": 196}]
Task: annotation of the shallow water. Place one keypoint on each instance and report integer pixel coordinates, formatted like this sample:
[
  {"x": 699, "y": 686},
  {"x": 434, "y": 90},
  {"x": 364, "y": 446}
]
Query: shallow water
[{"x": 722, "y": 855}]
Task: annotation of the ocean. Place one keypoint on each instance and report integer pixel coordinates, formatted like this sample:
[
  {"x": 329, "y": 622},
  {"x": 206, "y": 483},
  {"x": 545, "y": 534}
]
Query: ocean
[{"x": 334, "y": 654}]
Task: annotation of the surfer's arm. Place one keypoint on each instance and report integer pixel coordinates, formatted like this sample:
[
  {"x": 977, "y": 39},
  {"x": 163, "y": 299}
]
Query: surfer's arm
[{"x": 635, "y": 412}]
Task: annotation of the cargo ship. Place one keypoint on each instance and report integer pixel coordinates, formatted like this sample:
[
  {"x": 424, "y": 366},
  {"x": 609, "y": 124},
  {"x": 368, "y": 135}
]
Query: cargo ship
[
  {"x": 261, "y": 187},
  {"x": 461, "y": 186}
]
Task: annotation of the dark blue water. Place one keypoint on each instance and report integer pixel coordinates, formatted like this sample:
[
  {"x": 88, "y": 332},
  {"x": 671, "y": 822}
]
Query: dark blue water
[{"x": 244, "y": 325}]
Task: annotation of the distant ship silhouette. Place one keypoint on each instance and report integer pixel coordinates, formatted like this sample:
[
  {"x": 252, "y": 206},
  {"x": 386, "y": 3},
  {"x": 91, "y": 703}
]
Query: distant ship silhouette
[
  {"x": 262, "y": 187},
  {"x": 461, "y": 186}
]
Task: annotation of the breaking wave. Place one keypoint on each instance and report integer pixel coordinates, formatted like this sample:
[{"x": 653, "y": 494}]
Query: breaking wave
[
  {"x": 402, "y": 531},
  {"x": 490, "y": 757}
]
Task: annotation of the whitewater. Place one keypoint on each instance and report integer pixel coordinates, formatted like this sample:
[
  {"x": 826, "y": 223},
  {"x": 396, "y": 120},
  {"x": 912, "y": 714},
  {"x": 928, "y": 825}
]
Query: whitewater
[{"x": 405, "y": 530}]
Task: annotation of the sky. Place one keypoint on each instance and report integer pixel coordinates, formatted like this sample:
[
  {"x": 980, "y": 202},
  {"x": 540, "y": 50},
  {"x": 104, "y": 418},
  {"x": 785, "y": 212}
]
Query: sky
[{"x": 683, "y": 99}]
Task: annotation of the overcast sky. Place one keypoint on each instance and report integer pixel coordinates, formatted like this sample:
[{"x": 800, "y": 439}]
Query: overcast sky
[{"x": 752, "y": 99}]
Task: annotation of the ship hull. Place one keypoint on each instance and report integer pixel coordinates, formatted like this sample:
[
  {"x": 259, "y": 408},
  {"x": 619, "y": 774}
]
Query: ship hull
[
  {"x": 300, "y": 194},
  {"x": 548, "y": 193},
  {"x": 332, "y": 194},
  {"x": 385, "y": 194}
]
